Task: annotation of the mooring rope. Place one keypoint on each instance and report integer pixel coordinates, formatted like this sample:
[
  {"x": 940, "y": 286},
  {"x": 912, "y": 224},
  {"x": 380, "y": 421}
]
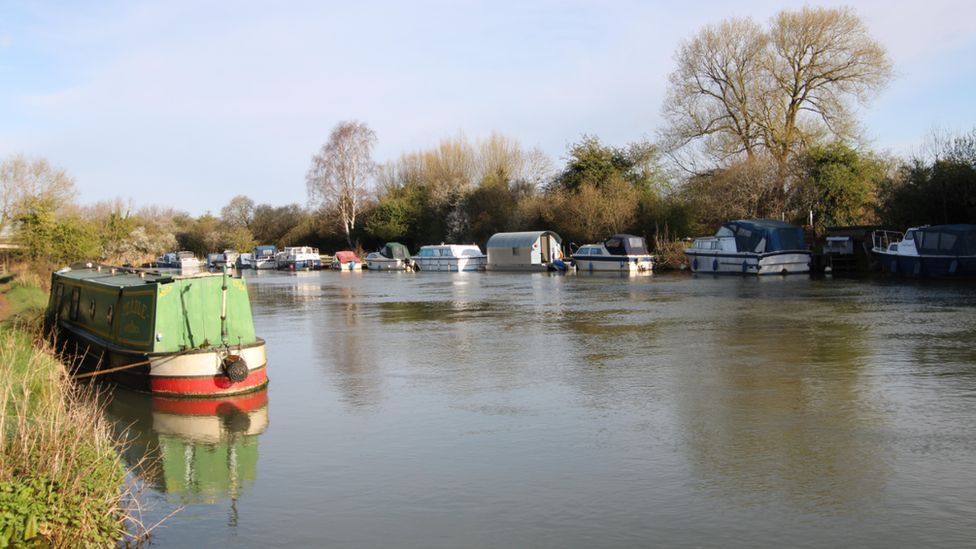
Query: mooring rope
[{"x": 127, "y": 366}]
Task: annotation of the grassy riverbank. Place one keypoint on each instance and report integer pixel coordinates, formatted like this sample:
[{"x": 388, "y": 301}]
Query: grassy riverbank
[{"x": 62, "y": 481}]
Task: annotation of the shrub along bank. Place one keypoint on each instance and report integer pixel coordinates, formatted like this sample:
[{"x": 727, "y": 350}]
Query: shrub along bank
[{"x": 62, "y": 482}]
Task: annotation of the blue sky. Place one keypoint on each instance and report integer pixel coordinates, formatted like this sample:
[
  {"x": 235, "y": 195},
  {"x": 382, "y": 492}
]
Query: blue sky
[{"x": 187, "y": 104}]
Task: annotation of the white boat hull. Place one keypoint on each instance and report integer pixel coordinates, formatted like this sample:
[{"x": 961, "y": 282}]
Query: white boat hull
[
  {"x": 719, "y": 262},
  {"x": 450, "y": 264},
  {"x": 386, "y": 264},
  {"x": 623, "y": 264}
]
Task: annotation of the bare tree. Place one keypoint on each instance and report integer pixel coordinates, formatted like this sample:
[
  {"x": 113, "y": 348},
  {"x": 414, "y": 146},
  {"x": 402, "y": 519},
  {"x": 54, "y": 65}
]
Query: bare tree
[
  {"x": 239, "y": 212},
  {"x": 340, "y": 173},
  {"x": 27, "y": 183},
  {"x": 739, "y": 90}
]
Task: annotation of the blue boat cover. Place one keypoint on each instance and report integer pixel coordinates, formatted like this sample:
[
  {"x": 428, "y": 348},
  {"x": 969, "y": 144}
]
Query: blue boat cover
[
  {"x": 626, "y": 244},
  {"x": 949, "y": 240},
  {"x": 779, "y": 235}
]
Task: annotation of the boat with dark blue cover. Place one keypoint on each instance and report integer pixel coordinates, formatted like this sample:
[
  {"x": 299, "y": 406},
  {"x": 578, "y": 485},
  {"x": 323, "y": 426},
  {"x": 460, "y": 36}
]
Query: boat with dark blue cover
[
  {"x": 762, "y": 246},
  {"x": 931, "y": 251}
]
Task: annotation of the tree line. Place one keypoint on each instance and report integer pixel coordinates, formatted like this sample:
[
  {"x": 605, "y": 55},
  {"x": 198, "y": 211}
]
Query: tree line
[{"x": 759, "y": 122}]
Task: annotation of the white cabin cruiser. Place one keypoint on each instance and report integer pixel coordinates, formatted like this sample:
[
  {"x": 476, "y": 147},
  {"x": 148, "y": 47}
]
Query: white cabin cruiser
[
  {"x": 936, "y": 251},
  {"x": 264, "y": 257},
  {"x": 449, "y": 258},
  {"x": 178, "y": 260},
  {"x": 620, "y": 252},
  {"x": 299, "y": 258},
  {"x": 751, "y": 247}
]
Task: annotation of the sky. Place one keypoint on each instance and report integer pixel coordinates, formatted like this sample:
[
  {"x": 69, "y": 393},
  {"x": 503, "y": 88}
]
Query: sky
[{"x": 187, "y": 104}]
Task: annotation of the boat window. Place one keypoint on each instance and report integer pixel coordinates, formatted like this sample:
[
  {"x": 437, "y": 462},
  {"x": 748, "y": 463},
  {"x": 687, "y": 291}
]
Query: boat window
[
  {"x": 75, "y": 298},
  {"x": 470, "y": 252},
  {"x": 947, "y": 243},
  {"x": 91, "y": 308},
  {"x": 930, "y": 240},
  {"x": 613, "y": 243},
  {"x": 910, "y": 235},
  {"x": 109, "y": 314},
  {"x": 724, "y": 231},
  {"x": 596, "y": 251},
  {"x": 514, "y": 250}
]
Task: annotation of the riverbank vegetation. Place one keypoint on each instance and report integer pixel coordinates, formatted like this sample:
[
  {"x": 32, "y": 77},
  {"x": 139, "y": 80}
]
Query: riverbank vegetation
[
  {"x": 62, "y": 481},
  {"x": 759, "y": 121}
]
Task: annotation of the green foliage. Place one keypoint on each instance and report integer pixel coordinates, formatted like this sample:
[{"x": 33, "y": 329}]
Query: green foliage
[
  {"x": 272, "y": 225},
  {"x": 942, "y": 190},
  {"x": 590, "y": 161},
  {"x": 44, "y": 237},
  {"x": 838, "y": 184},
  {"x": 33, "y": 510},
  {"x": 489, "y": 209}
]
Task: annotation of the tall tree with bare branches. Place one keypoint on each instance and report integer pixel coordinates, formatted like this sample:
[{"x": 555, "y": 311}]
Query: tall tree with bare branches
[
  {"x": 341, "y": 171},
  {"x": 740, "y": 90}
]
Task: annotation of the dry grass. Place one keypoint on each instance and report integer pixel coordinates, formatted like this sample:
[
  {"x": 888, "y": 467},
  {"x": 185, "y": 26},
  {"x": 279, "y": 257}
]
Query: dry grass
[
  {"x": 62, "y": 479},
  {"x": 669, "y": 251},
  {"x": 60, "y": 476}
]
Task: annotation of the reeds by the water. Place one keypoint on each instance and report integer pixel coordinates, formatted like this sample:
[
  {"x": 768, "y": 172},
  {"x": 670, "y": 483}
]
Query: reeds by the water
[{"x": 61, "y": 479}]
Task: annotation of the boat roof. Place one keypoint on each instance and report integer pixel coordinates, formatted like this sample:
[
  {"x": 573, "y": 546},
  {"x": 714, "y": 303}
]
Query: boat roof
[
  {"x": 519, "y": 239},
  {"x": 763, "y": 224},
  {"x": 347, "y": 256},
  {"x": 125, "y": 276},
  {"x": 395, "y": 250}
]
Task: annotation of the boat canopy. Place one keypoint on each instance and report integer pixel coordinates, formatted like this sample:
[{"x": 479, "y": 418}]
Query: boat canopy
[
  {"x": 626, "y": 244},
  {"x": 265, "y": 250},
  {"x": 347, "y": 256},
  {"x": 764, "y": 235},
  {"x": 524, "y": 239},
  {"x": 949, "y": 240},
  {"x": 395, "y": 250}
]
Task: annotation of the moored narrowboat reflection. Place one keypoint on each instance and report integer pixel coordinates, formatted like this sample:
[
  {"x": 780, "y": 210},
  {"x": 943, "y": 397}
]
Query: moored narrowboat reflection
[{"x": 200, "y": 450}]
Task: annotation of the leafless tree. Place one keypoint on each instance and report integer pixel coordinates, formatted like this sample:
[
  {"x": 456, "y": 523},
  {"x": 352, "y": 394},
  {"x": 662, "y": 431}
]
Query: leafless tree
[
  {"x": 26, "y": 183},
  {"x": 239, "y": 212},
  {"x": 341, "y": 172},
  {"x": 739, "y": 90}
]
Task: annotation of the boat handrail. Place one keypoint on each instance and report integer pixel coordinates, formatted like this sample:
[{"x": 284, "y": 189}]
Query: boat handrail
[{"x": 881, "y": 238}]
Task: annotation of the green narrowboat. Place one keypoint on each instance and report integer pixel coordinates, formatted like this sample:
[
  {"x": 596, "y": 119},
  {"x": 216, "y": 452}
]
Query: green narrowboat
[{"x": 164, "y": 333}]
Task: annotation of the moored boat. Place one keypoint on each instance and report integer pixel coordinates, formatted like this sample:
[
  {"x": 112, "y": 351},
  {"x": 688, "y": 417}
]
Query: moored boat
[
  {"x": 168, "y": 334},
  {"x": 298, "y": 258},
  {"x": 393, "y": 257},
  {"x": 751, "y": 247},
  {"x": 449, "y": 258},
  {"x": 525, "y": 251},
  {"x": 620, "y": 252},
  {"x": 178, "y": 260},
  {"x": 346, "y": 260},
  {"x": 931, "y": 251},
  {"x": 264, "y": 257}
]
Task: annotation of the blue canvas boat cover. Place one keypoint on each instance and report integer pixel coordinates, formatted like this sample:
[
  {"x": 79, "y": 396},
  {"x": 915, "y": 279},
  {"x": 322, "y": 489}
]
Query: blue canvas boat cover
[
  {"x": 626, "y": 244},
  {"x": 950, "y": 240},
  {"x": 778, "y": 235}
]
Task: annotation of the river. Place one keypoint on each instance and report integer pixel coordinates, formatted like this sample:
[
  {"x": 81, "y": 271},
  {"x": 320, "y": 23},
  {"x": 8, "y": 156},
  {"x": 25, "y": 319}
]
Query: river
[{"x": 534, "y": 410}]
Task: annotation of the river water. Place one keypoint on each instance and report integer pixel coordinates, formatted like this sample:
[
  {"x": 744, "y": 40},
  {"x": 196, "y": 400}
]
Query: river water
[{"x": 536, "y": 410}]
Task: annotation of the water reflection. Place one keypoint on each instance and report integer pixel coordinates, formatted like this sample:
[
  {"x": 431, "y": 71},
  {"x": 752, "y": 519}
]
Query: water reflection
[
  {"x": 200, "y": 450},
  {"x": 774, "y": 409}
]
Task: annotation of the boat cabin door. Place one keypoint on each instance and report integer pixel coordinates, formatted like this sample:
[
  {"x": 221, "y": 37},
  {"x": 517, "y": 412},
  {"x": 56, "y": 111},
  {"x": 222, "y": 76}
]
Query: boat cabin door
[{"x": 545, "y": 242}]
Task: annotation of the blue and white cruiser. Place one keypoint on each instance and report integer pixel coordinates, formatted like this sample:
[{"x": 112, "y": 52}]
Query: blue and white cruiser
[
  {"x": 936, "y": 251},
  {"x": 620, "y": 253},
  {"x": 751, "y": 247}
]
